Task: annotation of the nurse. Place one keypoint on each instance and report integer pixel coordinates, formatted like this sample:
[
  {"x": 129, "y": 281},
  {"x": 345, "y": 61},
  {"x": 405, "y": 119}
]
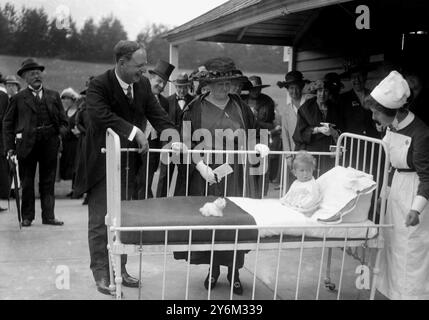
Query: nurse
[{"x": 404, "y": 264}]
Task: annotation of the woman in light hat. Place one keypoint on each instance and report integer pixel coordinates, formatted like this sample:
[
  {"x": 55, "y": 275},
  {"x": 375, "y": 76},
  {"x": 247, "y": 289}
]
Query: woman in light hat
[
  {"x": 68, "y": 164},
  {"x": 317, "y": 123},
  {"x": 404, "y": 263},
  {"x": 12, "y": 85}
]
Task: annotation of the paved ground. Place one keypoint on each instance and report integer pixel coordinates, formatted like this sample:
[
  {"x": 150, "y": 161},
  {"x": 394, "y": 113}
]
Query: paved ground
[{"x": 32, "y": 261}]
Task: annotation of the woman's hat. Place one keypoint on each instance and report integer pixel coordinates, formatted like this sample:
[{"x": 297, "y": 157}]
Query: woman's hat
[
  {"x": 163, "y": 69},
  {"x": 12, "y": 79},
  {"x": 392, "y": 92},
  {"x": 29, "y": 64},
  {"x": 218, "y": 69},
  {"x": 292, "y": 77},
  {"x": 256, "y": 82},
  {"x": 182, "y": 80},
  {"x": 330, "y": 81},
  {"x": 357, "y": 68},
  {"x": 70, "y": 93}
]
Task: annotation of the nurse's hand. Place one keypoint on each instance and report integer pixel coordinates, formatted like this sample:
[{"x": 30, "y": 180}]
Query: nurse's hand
[{"x": 412, "y": 218}]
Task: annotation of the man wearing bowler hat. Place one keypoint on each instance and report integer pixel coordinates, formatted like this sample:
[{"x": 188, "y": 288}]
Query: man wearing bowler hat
[
  {"x": 31, "y": 128},
  {"x": 158, "y": 78}
]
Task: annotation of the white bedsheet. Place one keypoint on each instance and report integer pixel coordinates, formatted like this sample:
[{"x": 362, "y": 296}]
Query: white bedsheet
[{"x": 270, "y": 212}]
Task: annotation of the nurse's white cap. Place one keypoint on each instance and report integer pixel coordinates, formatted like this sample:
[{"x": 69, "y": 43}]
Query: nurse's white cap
[{"x": 392, "y": 92}]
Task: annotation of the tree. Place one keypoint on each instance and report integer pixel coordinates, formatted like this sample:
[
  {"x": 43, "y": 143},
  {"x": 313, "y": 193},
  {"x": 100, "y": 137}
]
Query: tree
[
  {"x": 8, "y": 26},
  {"x": 110, "y": 32},
  {"x": 88, "y": 40},
  {"x": 31, "y": 34}
]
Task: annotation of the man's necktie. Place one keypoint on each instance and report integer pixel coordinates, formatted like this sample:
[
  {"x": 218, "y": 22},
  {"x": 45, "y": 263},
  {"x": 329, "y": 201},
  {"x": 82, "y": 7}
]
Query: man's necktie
[
  {"x": 36, "y": 94},
  {"x": 129, "y": 95}
]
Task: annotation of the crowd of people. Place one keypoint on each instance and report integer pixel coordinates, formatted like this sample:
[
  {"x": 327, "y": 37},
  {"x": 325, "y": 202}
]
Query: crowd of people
[{"x": 38, "y": 124}]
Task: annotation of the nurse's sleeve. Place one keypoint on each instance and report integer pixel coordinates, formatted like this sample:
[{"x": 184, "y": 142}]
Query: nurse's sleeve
[{"x": 420, "y": 158}]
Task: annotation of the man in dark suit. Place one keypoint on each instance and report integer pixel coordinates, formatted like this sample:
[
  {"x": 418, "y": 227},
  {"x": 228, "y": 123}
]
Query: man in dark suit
[
  {"x": 31, "y": 127},
  {"x": 175, "y": 105},
  {"x": 158, "y": 78},
  {"x": 120, "y": 99},
  {"x": 4, "y": 171}
]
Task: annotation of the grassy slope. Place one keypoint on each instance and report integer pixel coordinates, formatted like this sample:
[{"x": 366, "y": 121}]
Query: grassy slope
[{"x": 61, "y": 74}]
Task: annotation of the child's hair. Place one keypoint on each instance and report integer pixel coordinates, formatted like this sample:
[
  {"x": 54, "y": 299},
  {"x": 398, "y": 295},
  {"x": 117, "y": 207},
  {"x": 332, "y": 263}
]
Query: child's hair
[{"x": 305, "y": 158}]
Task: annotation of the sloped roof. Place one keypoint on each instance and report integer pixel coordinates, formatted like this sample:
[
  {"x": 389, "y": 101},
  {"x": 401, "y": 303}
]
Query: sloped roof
[
  {"x": 216, "y": 13},
  {"x": 274, "y": 22}
]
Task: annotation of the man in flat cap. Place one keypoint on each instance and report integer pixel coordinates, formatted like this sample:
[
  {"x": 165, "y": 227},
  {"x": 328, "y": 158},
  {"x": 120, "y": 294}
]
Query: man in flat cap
[{"x": 31, "y": 128}]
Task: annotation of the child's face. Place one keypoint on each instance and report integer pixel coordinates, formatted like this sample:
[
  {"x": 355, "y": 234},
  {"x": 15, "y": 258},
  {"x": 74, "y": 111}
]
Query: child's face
[{"x": 303, "y": 172}]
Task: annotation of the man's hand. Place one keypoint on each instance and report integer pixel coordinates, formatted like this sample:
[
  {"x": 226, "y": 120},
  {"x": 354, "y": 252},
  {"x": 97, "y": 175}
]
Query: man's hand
[
  {"x": 10, "y": 154},
  {"x": 323, "y": 130},
  {"x": 178, "y": 147},
  {"x": 206, "y": 172},
  {"x": 262, "y": 149},
  {"x": 75, "y": 131},
  {"x": 412, "y": 218},
  {"x": 142, "y": 141}
]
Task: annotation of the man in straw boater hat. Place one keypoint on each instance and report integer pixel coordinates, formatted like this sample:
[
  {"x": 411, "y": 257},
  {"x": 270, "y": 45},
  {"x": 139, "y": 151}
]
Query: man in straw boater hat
[
  {"x": 120, "y": 99},
  {"x": 31, "y": 127},
  {"x": 404, "y": 262}
]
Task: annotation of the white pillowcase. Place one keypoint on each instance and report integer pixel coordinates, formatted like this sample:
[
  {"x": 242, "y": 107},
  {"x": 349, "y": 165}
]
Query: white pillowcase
[{"x": 345, "y": 191}]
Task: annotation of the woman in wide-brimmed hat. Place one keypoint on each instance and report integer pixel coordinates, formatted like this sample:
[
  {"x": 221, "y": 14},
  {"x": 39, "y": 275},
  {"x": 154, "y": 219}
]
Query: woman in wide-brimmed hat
[
  {"x": 317, "y": 121},
  {"x": 214, "y": 111},
  {"x": 294, "y": 84}
]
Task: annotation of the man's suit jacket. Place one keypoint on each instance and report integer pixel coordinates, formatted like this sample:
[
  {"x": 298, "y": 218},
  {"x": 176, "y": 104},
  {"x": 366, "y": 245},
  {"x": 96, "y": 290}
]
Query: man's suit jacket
[
  {"x": 21, "y": 118},
  {"x": 108, "y": 107},
  {"x": 175, "y": 113},
  {"x": 4, "y": 102}
]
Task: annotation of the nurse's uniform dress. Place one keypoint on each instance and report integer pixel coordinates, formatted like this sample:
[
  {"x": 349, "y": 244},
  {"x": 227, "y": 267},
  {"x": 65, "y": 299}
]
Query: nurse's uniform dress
[{"x": 404, "y": 263}]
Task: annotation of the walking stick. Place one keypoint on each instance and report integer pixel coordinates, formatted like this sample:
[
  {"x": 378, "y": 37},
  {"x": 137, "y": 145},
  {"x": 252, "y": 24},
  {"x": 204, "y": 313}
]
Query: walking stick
[{"x": 13, "y": 163}]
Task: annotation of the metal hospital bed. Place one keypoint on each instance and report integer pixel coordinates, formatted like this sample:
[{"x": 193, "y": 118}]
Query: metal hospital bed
[{"x": 133, "y": 230}]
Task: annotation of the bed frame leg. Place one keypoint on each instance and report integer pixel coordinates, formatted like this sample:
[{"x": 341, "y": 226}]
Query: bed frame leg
[
  {"x": 376, "y": 271},
  {"x": 328, "y": 284},
  {"x": 118, "y": 276},
  {"x": 111, "y": 276}
]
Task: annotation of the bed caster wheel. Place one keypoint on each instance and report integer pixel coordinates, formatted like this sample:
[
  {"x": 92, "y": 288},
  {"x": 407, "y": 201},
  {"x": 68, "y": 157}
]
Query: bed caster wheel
[{"x": 329, "y": 285}]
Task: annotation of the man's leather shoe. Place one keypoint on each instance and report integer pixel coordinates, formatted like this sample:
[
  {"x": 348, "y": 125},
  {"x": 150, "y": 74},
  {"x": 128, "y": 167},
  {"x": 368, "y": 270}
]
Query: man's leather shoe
[
  {"x": 26, "y": 223},
  {"x": 103, "y": 286},
  {"x": 129, "y": 281},
  {"x": 53, "y": 222}
]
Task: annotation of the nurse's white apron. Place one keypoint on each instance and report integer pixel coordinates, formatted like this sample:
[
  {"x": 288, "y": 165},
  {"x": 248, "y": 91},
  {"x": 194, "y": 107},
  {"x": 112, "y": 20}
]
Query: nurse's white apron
[{"x": 404, "y": 263}]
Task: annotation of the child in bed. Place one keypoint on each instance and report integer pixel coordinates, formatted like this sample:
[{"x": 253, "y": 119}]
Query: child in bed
[{"x": 304, "y": 194}]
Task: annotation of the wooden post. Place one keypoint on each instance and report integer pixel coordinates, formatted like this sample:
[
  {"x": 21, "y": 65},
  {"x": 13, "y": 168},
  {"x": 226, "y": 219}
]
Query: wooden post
[{"x": 174, "y": 60}]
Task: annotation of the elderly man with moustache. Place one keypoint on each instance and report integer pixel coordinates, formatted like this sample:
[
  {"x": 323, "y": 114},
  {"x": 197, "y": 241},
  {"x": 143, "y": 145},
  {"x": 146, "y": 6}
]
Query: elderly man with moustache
[
  {"x": 121, "y": 99},
  {"x": 31, "y": 127}
]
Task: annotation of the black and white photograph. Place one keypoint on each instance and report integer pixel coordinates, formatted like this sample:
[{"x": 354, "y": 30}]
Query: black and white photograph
[{"x": 233, "y": 151}]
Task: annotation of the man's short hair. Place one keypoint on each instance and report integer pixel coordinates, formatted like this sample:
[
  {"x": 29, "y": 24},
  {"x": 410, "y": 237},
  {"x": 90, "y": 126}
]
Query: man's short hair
[{"x": 125, "y": 49}]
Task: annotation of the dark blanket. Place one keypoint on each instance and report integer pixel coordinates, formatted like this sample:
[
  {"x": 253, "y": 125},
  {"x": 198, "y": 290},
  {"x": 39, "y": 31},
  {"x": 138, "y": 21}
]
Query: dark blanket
[{"x": 182, "y": 211}]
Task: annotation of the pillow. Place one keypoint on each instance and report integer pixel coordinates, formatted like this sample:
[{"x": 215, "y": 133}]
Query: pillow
[{"x": 342, "y": 189}]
